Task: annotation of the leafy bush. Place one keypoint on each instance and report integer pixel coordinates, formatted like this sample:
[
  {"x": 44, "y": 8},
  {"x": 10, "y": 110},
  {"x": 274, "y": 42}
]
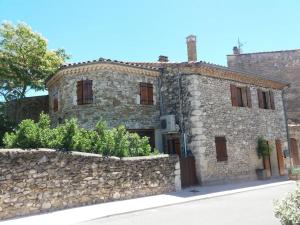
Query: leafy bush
[
  {"x": 68, "y": 136},
  {"x": 288, "y": 210},
  {"x": 263, "y": 148},
  {"x": 295, "y": 170}
]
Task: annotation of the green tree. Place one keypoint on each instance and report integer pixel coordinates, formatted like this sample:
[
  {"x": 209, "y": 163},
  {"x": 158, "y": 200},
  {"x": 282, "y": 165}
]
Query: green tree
[{"x": 25, "y": 61}]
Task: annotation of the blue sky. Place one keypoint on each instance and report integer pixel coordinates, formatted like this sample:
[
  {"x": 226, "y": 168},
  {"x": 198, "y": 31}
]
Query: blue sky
[{"x": 137, "y": 30}]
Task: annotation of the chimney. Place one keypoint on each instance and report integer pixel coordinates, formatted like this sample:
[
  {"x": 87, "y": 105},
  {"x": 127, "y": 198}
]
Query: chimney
[
  {"x": 163, "y": 58},
  {"x": 191, "y": 48},
  {"x": 236, "y": 50}
]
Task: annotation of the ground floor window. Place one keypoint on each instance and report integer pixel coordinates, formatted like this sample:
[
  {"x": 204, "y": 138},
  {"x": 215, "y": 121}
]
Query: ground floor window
[
  {"x": 146, "y": 133},
  {"x": 221, "y": 149}
]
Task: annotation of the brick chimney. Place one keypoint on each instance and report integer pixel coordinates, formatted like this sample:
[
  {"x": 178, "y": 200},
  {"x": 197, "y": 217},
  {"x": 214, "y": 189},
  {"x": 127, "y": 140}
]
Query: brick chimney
[
  {"x": 163, "y": 58},
  {"x": 236, "y": 50},
  {"x": 191, "y": 48}
]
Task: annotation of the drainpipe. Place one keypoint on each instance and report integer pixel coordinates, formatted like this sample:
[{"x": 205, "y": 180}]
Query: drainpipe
[
  {"x": 283, "y": 93},
  {"x": 161, "y": 105},
  {"x": 182, "y": 127}
]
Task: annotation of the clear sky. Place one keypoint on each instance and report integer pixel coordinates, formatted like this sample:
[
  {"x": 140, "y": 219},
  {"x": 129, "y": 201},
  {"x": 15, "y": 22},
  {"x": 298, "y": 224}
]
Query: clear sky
[{"x": 137, "y": 30}]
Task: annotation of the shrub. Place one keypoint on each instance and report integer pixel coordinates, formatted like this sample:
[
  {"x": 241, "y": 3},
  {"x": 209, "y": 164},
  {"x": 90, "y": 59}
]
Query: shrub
[
  {"x": 295, "y": 170},
  {"x": 288, "y": 210},
  {"x": 68, "y": 136},
  {"x": 263, "y": 148}
]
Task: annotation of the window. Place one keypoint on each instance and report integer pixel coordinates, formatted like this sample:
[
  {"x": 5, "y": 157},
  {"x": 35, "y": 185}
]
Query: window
[
  {"x": 146, "y": 94},
  {"x": 55, "y": 104},
  {"x": 265, "y": 99},
  {"x": 145, "y": 133},
  {"x": 84, "y": 92},
  {"x": 240, "y": 96},
  {"x": 221, "y": 149}
]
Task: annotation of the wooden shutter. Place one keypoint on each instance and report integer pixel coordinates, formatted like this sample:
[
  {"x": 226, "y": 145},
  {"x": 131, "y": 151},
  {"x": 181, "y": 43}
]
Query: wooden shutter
[
  {"x": 233, "y": 90},
  {"x": 280, "y": 158},
  {"x": 150, "y": 94},
  {"x": 272, "y": 100},
  {"x": 55, "y": 104},
  {"x": 268, "y": 100},
  {"x": 221, "y": 149},
  {"x": 143, "y": 94},
  {"x": 244, "y": 96},
  {"x": 249, "y": 101},
  {"x": 294, "y": 152},
  {"x": 87, "y": 91},
  {"x": 79, "y": 92},
  {"x": 260, "y": 98}
]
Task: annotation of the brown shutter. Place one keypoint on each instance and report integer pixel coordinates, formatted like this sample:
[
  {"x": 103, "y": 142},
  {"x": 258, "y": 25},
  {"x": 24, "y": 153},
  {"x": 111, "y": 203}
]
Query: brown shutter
[
  {"x": 260, "y": 98},
  {"x": 79, "y": 92},
  {"x": 143, "y": 94},
  {"x": 221, "y": 149},
  {"x": 280, "y": 158},
  {"x": 233, "y": 95},
  {"x": 150, "y": 94},
  {"x": 268, "y": 100},
  {"x": 249, "y": 101},
  {"x": 294, "y": 152},
  {"x": 272, "y": 99},
  {"x": 87, "y": 91},
  {"x": 244, "y": 96},
  {"x": 55, "y": 104}
]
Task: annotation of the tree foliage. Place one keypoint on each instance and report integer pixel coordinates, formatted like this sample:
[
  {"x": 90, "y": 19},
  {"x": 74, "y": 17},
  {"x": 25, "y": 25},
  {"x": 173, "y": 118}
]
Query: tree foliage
[
  {"x": 25, "y": 61},
  {"x": 69, "y": 137}
]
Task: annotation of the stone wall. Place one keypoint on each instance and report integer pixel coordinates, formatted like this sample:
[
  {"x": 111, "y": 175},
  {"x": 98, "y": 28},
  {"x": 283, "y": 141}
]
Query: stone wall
[
  {"x": 284, "y": 65},
  {"x": 34, "y": 181},
  {"x": 207, "y": 111},
  {"x": 116, "y": 100},
  {"x": 27, "y": 108},
  {"x": 212, "y": 114}
]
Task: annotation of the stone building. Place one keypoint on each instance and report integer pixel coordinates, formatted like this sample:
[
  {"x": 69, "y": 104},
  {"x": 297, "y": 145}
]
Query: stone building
[
  {"x": 283, "y": 65},
  {"x": 210, "y": 113}
]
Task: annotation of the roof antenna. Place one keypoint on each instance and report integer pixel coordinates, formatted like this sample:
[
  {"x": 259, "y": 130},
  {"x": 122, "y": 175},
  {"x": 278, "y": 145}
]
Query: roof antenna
[{"x": 240, "y": 45}]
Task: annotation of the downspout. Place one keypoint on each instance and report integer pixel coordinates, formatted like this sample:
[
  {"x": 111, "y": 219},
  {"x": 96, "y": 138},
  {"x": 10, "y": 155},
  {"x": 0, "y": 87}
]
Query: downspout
[
  {"x": 283, "y": 93},
  {"x": 161, "y": 105},
  {"x": 182, "y": 127}
]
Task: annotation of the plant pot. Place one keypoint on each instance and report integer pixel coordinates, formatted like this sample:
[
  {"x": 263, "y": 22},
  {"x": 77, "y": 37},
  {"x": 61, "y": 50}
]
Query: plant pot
[{"x": 261, "y": 174}]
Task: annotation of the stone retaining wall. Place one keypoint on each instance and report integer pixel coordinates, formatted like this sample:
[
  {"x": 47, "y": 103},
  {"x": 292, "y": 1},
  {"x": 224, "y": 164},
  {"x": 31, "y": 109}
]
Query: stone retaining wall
[{"x": 34, "y": 181}]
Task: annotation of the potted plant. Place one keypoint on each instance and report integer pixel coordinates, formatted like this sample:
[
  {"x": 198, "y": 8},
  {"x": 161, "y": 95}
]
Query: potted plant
[
  {"x": 263, "y": 151},
  {"x": 294, "y": 173}
]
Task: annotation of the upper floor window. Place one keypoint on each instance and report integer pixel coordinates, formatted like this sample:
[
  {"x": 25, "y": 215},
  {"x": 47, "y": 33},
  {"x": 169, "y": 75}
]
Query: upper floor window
[
  {"x": 146, "y": 94},
  {"x": 221, "y": 149},
  {"x": 265, "y": 99},
  {"x": 55, "y": 101},
  {"x": 84, "y": 92},
  {"x": 240, "y": 96},
  {"x": 55, "y": 104}
]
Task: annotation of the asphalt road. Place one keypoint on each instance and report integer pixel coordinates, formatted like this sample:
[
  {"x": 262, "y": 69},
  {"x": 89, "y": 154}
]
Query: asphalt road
[{"x": 247, "y": 208}]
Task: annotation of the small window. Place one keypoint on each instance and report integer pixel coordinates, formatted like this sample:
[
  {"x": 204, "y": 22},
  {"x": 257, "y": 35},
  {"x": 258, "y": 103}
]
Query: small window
[
  {"x": 84, "y": 92},
  {"x": 221, "y": 149},
  {"x": 265, "y": 99},
  {"x": 240, "y": 96},
  {"x": 146, "y": 94},
  {"x": 55, "y": 104}
]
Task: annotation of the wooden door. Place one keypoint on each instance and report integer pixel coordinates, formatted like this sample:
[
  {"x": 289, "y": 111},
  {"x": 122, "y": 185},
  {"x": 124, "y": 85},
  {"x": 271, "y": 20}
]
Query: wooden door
[
  {"x": 294, "y": 152},
  {"x": 280, "y": 158}
]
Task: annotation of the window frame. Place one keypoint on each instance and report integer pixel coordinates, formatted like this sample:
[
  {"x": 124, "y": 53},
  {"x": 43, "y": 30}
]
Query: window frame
[
  {"x": 84, "y": 90},
  {"x": 221, "y": 153},
  {"x": 146, "y": 93}
]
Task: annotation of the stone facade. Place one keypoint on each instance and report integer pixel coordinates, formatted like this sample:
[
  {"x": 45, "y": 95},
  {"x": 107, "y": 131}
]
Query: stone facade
[
  {"x": 197, "y": 93},
  {"x": 283, "y": 65},
  {"x": 207, "y": 112},
  {"x": 45, "y": 180},
  {"x": 27, "y": 108}
]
